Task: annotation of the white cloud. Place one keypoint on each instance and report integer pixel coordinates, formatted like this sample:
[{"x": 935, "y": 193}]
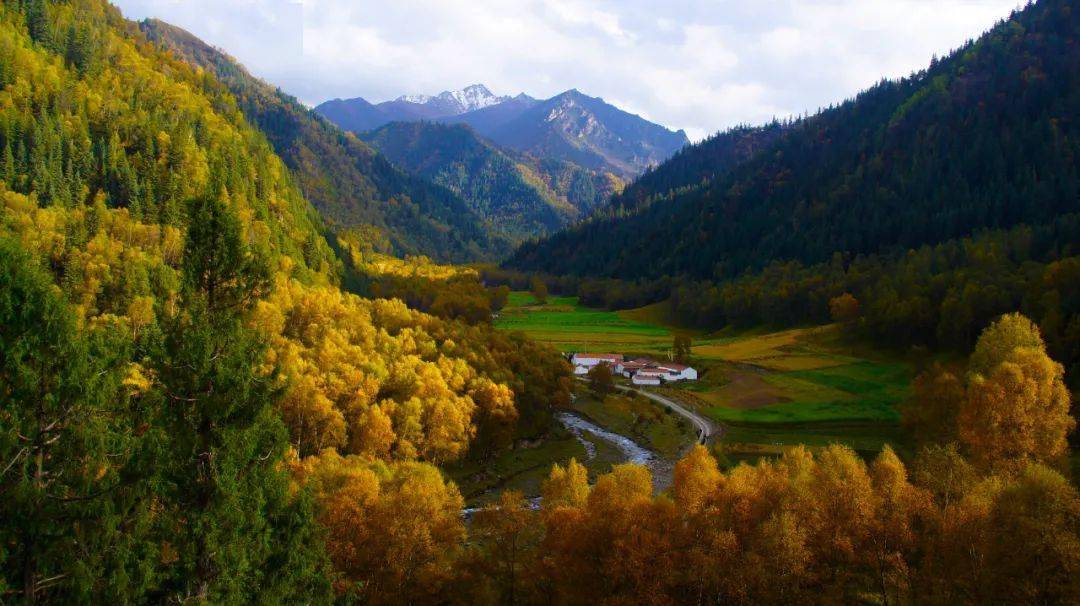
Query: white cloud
[
  {"x": 578, "y": 13},
  {"x": 785, "y": 43},
  {"x": 699, "y": 65}
]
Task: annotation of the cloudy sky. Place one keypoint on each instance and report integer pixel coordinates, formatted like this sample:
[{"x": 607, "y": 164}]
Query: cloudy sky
[{"x": 700, "y": 65}]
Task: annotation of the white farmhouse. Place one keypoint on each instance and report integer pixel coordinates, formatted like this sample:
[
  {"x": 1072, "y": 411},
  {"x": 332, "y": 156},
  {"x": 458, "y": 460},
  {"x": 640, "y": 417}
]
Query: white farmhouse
[
  {"x": 640, "y": 371},
  {"x": 678, "y": 372},
  {"x": 588, "y": 360}
]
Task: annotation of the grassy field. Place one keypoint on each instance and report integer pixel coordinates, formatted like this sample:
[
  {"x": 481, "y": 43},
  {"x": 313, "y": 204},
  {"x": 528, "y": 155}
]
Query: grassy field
[
  {"x": 568, "y": 326},
  {"x": 768, "y": 389},
  {"x": 803, "y": 386}
]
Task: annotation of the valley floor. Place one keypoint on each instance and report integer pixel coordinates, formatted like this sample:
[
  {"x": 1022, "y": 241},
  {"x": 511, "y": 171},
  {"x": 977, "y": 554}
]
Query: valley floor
[{"x": 767, "y": 389}]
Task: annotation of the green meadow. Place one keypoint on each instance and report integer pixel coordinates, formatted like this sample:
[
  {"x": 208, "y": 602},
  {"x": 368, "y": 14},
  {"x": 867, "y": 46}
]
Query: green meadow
[
  {"x": 768, "y": 389},
  {"x": 569, "y": 326}
]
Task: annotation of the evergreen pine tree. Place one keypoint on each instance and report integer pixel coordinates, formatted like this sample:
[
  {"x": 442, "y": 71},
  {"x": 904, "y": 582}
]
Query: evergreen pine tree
[
  {"x": 232, "y": 524},
  {"x": 68, "y": 525},
  {"x": 37, "y": 22},
  {"x": 8, "y": 167}
]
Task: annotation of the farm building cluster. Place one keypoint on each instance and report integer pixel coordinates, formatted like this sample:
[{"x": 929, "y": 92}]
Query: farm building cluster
[{"x": 640, "y": 371}]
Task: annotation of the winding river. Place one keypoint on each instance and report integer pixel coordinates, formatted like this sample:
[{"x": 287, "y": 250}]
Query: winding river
[
  {"x": 586, "y": 432},
  {"x": 579, "y": 426}
]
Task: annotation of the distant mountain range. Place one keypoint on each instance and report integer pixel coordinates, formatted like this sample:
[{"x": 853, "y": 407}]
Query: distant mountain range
[{"x": 571, "y": 126}]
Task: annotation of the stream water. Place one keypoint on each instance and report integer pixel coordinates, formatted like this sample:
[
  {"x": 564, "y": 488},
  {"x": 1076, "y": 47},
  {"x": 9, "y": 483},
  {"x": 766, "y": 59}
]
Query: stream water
[
  {"x": 585, "y": 431},
  {"x": 578, "y": 426}
]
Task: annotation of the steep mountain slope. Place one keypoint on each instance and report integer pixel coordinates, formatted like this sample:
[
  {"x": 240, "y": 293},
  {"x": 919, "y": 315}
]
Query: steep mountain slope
[
  {"x": 520, "y": 196},
  {"x": 986, "y": 138},
  {"x": 350, "y": 184},
  {"x": 587, "y": 131},
  {"x": 175, "y": 351},
  {"x": 697, "y": 166}
]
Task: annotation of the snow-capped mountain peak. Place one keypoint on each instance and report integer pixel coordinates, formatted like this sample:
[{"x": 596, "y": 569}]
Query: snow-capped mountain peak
[
  {"x": 455, "y": 102},
  {"x": 472, "y": 98}
]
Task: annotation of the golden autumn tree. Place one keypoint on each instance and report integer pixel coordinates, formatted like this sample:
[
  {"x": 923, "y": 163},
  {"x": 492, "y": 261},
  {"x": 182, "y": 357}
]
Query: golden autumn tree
[
  {"x": 581, "y": 525},
  {"x": 696, "y": 480},
  {"x": 618, "y": 546},
  {"x": 496, "y": 416},
  {"x": 1017, "y": 405},
  {"x": 944, "y": 472},
  {"x": 707, "y": 546},
  {"x": 837, "y": 503},
  {"x": 1012, "y": 538},
  {"x": 566, "y": 487},
  {"x": 772, "y": 556},
  {"x": 373, "y": 433},
  {"x": 508, "y": 533},
  {"x": 379, "y": 379},
  {"x": 844, "y": 309},
  {"x": 902, "y": 510},
  {"x": 393, "y": 530},
  {"x": 1006, "y": 334},
  {"x": 1034, "y": 545}
]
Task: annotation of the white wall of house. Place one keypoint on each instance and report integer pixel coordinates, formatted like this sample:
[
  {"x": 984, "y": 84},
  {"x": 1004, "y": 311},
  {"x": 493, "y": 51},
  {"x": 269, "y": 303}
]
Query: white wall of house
[
  {"x": 685, "y": 374},
  {"x": 589, "y": 362},
  {"x": 640, "y": 379}
]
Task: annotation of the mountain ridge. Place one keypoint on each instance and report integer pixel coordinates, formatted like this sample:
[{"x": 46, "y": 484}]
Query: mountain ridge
[{"x": 570, "y": 126}]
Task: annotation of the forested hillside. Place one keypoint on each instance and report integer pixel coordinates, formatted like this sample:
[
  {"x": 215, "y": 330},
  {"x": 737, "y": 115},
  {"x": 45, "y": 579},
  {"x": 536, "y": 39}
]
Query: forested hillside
[
  {"x": 173, "y": 341},
  {"x": 983, "y": 139},
  {"x": 519, "y": 195},
  {"x": 351, "y": 185},
  {"x": 695, "y": 166}
]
